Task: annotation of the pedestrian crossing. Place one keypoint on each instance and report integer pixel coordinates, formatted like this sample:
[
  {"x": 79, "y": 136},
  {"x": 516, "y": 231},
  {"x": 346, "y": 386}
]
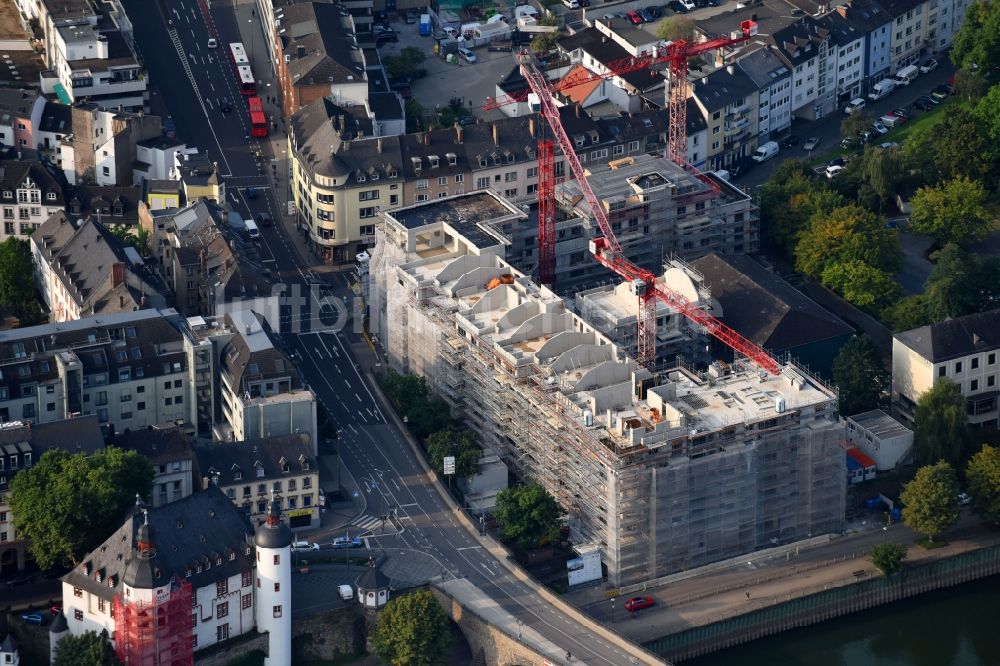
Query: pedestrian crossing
[{"x": 366, "y": 522}]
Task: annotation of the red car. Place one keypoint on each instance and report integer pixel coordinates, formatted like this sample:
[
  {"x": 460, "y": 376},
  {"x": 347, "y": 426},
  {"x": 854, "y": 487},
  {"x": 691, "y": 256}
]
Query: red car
[
  {"x": 634, "y": 17},
  {"x": 638, "y": 603}
]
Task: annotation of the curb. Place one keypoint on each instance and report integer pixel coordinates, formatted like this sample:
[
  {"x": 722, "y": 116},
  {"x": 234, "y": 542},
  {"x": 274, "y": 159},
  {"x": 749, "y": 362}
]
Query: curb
[{"x": 501, "y": 555}]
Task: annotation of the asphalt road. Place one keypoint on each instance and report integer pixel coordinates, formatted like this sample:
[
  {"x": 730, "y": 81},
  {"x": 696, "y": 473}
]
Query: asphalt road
[{"x": 373, "y": 449}]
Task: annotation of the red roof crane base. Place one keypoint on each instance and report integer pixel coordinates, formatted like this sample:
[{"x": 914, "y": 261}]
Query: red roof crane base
[{"x": 606, "y": 249}]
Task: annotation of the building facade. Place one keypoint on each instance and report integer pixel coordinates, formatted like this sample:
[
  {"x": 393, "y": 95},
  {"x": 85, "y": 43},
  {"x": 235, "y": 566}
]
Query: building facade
[{"x": 30, "y": 195}]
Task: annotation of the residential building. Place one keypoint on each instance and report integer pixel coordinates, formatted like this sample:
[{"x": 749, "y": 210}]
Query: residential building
[
  {"x": 54, "y": 126},
  {"x": 158, "y": 158},
  {"x": 774, "y": 91},
  {"x": 908, "y": 31},
  {"x": 728, "y": 100},
  {"x": 30, "y": 195},
  {"x": 190, "y": 562},
  {"x": 89, "y": 57},
  {"x": 663, "y": 474},
  {"x": 768, "y": 311},
  {"x": 8, "y": 652},
  {"x": 869, "y": 18},
  {"x": 111, "y": 205},
  {"x": 944, "y": 20},
  {"x": 127, "y": 368},
  {"x": 881, "y": 437},
  {"x": 964, "y": 351},
  {"x": 83, "y": 270},
  {"x": 103, "y": 145},
  {"x": 20, "y": 111},
  {"x": 199, "y": 178},
  {"x": 204, "y": 262},
  {"x": 161, "y": 194},
  {"x": 254, "y": 473},
  {"x": 22, "y": 444},
  {"x": 168, "y": 450},
  {"x": 847, "y": 65},
  {"x": 805, "y": 48}
]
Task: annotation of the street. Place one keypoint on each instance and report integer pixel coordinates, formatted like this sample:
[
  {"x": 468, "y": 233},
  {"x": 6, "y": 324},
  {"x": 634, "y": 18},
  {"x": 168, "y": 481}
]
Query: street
[{"x": 189, "y": 79}]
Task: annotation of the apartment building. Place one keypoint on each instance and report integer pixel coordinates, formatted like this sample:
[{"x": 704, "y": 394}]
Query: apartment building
[
  {"x": 30, "y": 195},
  {"x": 84, "y": 270},
  {"x": 89, "y": 57},
  {"x": 846, "y": 67},
  {"x": 110, "y": 205},
  {"x": 662, "y": 475},
  {"x": 22, "y": 444},
  {"x": 20, "y": 112},
  {"x": 158, "y": 158},
  {"x": 102, "y": 146},
  {"x": 805, "y": 48},
  {"x": 168, "y": 450},
  {"x": 253, "y": 472},
  {"x": 943, "y": 21},
  {"x": 728, "y": 100},
  {"x": 908, "y": 31},
  {"x": 965, "y": 351},
  {"x": 773, "y": 80},
  {"x": 870, "y": 19}
]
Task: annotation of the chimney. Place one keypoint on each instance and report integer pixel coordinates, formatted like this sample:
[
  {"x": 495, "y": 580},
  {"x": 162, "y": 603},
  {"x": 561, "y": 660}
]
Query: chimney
[
  {"x": 531, "y": 127},
  {"x": 496, "y": 134},
  {"x": 301, "y": 52},
  {"x": 578, "y": 109},
  {"x": 459, "y": 132},
  {"x": 117, "y": 274},
  {"x": 378, "y": 145},
  {"x": 427, "y": 138}
]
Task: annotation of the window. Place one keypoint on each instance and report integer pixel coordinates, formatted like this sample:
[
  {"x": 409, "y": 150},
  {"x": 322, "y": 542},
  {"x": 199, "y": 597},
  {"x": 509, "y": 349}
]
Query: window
[
  {"x": 368, "y": 195},
  {"x": 442, "y": 180},
  {"x": 246, "y": 602},
  {"x": 510, "y": 177},
  {"x": 618, "y": 150},
  {"x": 974, "y": 385},
  {"x": 222, "y": 588},
  {"x": 991, "y": 381},
  {"x": 222, "y": 632},
  {"x": 101, "y": 605},
  {"x": 277, "y": 611},
  {"x": 421, "y": 184},
  {"x": 140, "y": 406},
  {"x": 277, "y": 587},
  {"x": 367, "y": 212},
  {"x": 247, "y": 578},
  {"x": 168, "y": 401},
  {"x": 277, "y": 560},
  {"x": 991, "y": 359},
  {"x": 78, "y": 592},
  {"x": 942, "y": 371},
  {"x": 222, "y": 610},
  {"x": 958, "y": 367},
  {"x": 78, "y": 615},
  {"x": 460, "y": 178}
]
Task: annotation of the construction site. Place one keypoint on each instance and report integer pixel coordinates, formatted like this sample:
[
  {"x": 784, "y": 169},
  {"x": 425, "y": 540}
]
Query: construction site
[{"x": 662, "y": 472}]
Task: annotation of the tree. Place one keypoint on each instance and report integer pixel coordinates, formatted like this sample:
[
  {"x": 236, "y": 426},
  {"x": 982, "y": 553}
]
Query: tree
[
  {"x": 405, "y": 64},
  {"x": 414, "y": 114},
  {"x": 136, "y": 236},
  {"x": 858, "y": 373},
  {"x": 941, "y": 430},
  {"x": 983, "y": 475},
  {"x": 854, "y": 124},
  {"x": 410, "y": 395},
  {"x": 545, "y": 42},
  {"x": 906, "y": 314},
  {"x": 528, "y": 515},
  {"x": 86, "y": 649},
  {"x": 17, "y": 282},
  {"x": 977, "y": 43},
  {"x": 888, "y": 557},
  {"x": 674, "y": 28},
  {"x": 970, "y": 86},
  {"x": 882, "y": 172},
  {"x": 67, "y": 504},
  {"x": 412, "y": 630},
  {"x": 956, "y": 145},
  {"x": 789, "y": 199},
  {"x": 865, "y": 286},
  {"x": 930, "y": 500},
  {"x": 961, "y": 283},
  {"x": 459, "y": 444},
  {"x": 953, "y": 212},
  {"x": 847, "y": 233}
]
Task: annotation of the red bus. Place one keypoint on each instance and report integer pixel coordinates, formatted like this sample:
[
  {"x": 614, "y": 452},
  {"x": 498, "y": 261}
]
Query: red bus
[
  {"x": 244, "y": 79},
  {"x": 258, "y": 121},
  {"x": 238, "y": 54}
]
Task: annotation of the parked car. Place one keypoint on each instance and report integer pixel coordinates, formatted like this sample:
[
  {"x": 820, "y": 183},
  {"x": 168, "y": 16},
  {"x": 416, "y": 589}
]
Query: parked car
[
  {"x": 833, "y": 171},
  {"x": 901, "y": 113},
  {"x": 348, "y": 542},
  {"x": 924, "y": 104},
  {"x": 467, "y": 55},
  {"x": 880, "y": 128},
  {"x": 942, "y": 91},
  {"x": 837, "y": 161},
  {"x": 251, "y": 193},
  {"x": 855, "y": 105},
  {"x": 19, "y": 579},
  {"x": 810, "y": 143},
  {"x": 887, "y": 145},
  {"x": 304, "y": 545},
  {"x": 467, "y": 120},
  {"x": 790, "y": 141},
  {"x": 688, "y": 4},
  {"x": 264, "y": 219},
  {"x": 385, "y": 37},
  {"x": 930, "y": 99},
  {"x": 677, "y": 7},
  {"x": 410, "y": 17},
  {"x": 380, "y": 16},
  {"x": 32, "y": 618},
  {"x": 741, "y": 167},
  {"x": 964, "y": 499},
  {"x": 891, "y": 120},
  {"x": 638, "y": 603},
  {"x": 649, "y": 14},
  {"x": 765, "y": 151},
  {"x": 634, "y": 17},
  {"x": 56, "y": 609},
  {"x": 928, "y": 66}
]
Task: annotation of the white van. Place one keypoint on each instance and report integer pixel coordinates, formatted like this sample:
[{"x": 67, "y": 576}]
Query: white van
[
  {"x": 346, "y": 592},
  {"x": 765, "y": 152},
  {"x": 571, "y": 4},
  {"x": 253, "y": 233},
  {"x": 855, "y": 105},
  {"x": 881, "y": 89},
  {"x": 906, "y": 75}
]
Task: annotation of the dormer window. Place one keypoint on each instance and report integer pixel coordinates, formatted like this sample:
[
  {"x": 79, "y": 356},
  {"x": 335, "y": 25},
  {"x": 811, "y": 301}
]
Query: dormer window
[
  {"x": 361, "y": 178},
  {"x": 74, "y": 207},
  {"x": 433, "y": 160},
  {"x": 391, "y": 172},
  {"x": 7, "y": 194},
  {"x": 119, "y": 210},
  {"x": 283, "y": 463},
  {"x": 579, "y": 140},
  {"x": 50, "y": 196},
  {"x": 452, "y": 159},
  {"x": 374, "y": 176},
  {"x": 418, "y": 164},
  {"x": 510, "y": 157}
]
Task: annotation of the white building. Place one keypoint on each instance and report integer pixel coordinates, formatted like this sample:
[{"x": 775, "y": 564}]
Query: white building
[
  {"x": 965, "y": 351},
  {"x": 882, "y": 438},
  {"x": 29, "y": 195},
  {"x": 273, "y": 542},
  {"x": 774, "y": 80}
]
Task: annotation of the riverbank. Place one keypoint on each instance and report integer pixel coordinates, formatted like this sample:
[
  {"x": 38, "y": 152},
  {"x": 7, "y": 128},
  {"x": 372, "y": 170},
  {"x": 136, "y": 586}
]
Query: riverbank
[{"x": 716, "y": 608}]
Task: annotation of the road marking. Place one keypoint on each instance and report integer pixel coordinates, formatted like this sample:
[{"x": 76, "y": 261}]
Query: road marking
[
  {"x": 358, "y": 397},
  {"x": 398, "y": 489},
  {"x": 348, "y": 383},
  {"x": 473, "y": 548},
  {"x": 407, "y": 506},
  {"x": 490, "y": 571}
]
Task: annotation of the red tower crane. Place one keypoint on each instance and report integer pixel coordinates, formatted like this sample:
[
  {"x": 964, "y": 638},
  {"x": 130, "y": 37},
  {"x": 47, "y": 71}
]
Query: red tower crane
[
  {"x": 606, "y": 249},
  {"x": 675, "y": 55}
]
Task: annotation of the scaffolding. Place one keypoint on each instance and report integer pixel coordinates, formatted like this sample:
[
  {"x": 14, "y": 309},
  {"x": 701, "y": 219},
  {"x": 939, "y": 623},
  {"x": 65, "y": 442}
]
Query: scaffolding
[
  {"x": 664, "y": 472},
  {"x": 158, "y": 632}
]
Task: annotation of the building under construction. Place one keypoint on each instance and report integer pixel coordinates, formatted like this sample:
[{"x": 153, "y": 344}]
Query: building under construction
[{"x": 664, "y": 472}]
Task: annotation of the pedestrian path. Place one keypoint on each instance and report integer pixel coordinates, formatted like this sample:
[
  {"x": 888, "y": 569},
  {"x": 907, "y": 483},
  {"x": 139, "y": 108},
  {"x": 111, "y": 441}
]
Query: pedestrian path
[{"x": 366, "y": 522}]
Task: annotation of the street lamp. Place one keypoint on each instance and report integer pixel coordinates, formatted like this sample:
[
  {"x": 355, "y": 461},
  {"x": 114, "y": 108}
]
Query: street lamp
[
  {"x": 885, "y": 533},
  {"x": 612, "y": 610},
  {"x": 250, "y": 21}
]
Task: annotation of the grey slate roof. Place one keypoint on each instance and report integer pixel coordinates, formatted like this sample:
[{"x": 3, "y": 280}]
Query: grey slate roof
[
  {"x": 799, "y": 42},
  {"x": 160, "y": 444},
  {"x": 372, "y": 579},
  {"x": 320, "y": 47},
  {"x": 115, "y": 204},
  {"x": 56, "y": 118},
  {"x": 864, "y": 15},
  {"x": 77, "y": 435},
  {"x": 955, "y": 338},
  {"x": 722, "y": 88},
  {"x": 9, "y": 645},
  {"x": 253, "y": 356},
  {"x": 257, "y": 461},
  {"x": 764, "y": 67},
  {"x": 605, "y": 51},
  {"x": 14, "y": 172},
  {"x": 842, "y": 31},
  {"x": 203, "y": 538},
  {"x": 763, "y": 307}
]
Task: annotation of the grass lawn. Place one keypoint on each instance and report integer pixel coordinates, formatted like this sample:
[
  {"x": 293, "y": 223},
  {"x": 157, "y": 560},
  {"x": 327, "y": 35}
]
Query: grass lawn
[{"x": 931, "y": 545}]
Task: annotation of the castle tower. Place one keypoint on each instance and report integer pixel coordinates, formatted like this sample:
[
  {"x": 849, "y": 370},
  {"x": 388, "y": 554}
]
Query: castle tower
[
  {"x": 58, "y": 629},
  {"x": 273, "y": 540}
]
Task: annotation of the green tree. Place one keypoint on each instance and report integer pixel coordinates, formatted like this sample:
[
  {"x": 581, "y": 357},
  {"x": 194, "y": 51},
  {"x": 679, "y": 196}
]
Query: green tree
[
  {"x": 67, "y": 504},
  {"x": 459, "y": 444},
  {"x": 17, "y": 282},
  {"x": 674, "y": 28},
  {"x": 405, "y": 64},
  {"x": 854, "y": 124},
  {"x": 941, "y": 430},
  {"x": 528, "y": 515},
  {"x": 930, "y": 500},
  {"x": 414, "y": 114},
  {"x": 863, "y": 285},
  {"x": 953, "y": 212},
  {"x": 977, "y": 43},
  {"x": 983, "y": 475},
  {"x": 956, "y": 145},
  {"x": 422, "y": 414},
  {"x": 882, "y": 171},
  {"x": 888, "y": 557},
  {"x": 970, "y": 86},
  {"x": 412, "y": 630},
  {"x": 906, "y": 314},
  {"x": 544, "y": 42},
  {"x": 788, "y": 200},
  {"x": 135, "y": 236},
  {"x": 858, "y": 373},
  {"x": 848, "y": 233},
  {"x": 961, "y": 283},
  {"x": 86, "y": 649}
]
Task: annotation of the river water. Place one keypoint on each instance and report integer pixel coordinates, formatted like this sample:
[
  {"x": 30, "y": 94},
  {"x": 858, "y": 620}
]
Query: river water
[{"x": 959, "y": 626}]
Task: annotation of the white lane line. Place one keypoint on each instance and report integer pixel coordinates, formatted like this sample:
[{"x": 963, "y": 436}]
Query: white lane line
[
  {"x": 398, "y": 489},
  {"x": 358, "y": 397},
  {"x": 490, "y": 571},
  {"x": 473, "y": 548},
  {"x": 348, "y": 384}
]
